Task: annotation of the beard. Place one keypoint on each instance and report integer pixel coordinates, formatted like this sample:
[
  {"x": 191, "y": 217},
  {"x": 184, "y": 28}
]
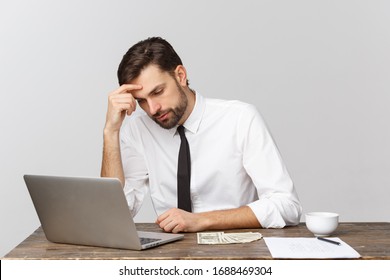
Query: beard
[{"x": 176, "y": 113}]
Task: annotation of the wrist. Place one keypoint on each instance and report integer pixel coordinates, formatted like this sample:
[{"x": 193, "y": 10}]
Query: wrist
[
  {"x": 109, "y": 131},
  {"x": 111, "y": 140},
  {"x": 206, "y": 221}
]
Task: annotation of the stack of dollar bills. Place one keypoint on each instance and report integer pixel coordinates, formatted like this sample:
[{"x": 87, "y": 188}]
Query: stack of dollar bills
[{"x": 219, "y": 237}]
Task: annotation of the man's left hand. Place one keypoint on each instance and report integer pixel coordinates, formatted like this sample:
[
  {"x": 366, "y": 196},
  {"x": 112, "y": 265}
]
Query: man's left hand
[{"x": 177, "y": 220}]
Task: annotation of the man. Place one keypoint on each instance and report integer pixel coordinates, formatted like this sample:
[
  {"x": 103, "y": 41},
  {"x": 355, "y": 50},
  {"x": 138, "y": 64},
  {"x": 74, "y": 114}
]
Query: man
[{"x": 237, "y": 178}]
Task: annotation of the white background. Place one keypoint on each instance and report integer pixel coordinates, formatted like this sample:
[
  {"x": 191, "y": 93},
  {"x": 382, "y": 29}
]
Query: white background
[{"x": 318, "y": 71}]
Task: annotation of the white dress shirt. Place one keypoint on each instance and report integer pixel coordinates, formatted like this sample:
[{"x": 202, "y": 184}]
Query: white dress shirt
[{"x": 234, "y": 162}]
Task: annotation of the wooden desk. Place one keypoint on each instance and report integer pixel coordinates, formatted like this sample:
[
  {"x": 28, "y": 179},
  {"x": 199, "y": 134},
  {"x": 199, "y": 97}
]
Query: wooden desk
[{"x": 371, "y": 240}]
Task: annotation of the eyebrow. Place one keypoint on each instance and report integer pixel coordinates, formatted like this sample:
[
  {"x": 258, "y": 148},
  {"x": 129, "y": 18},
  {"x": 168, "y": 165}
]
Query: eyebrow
[{"x": 152, "y": 91}]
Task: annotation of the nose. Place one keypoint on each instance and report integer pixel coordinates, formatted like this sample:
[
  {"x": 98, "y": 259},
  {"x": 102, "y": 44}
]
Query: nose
[{"x": 154, "y": 107}]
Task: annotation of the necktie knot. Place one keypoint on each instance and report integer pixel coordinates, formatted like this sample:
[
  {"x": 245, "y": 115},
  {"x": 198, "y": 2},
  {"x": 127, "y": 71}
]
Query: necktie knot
[{"x": 180, "y": 129}]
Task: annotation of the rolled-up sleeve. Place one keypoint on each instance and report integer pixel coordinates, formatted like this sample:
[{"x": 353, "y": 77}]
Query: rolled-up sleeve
[
  {"x": 134, "y": 168},
  {"x": 278, "y": 204}
]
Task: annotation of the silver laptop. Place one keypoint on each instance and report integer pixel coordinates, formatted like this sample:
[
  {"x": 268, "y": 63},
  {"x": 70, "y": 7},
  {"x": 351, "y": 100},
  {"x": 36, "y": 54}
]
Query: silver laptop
[{"x": 89, "y": 211}]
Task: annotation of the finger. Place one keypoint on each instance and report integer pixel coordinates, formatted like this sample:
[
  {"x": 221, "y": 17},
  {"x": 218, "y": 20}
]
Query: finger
[
  {"x": 119, "y": 101},
  {"x": 123, "y": 95},
  {"x": 170, "y": 226},
  {"x": 127, "y": 88},
  {"x": 129, "y": 112},
  {"x": 123, "y": 100},
  {"x": 120, "y": 98},
  {"x": 163, "y": 223},
  {"x": 177, "y": 229},
  {"x": 129, "y": 108},
  {"x": 163, "y": 216}
]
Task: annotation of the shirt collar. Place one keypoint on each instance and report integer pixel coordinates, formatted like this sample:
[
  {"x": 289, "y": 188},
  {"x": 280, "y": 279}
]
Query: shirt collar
[{"x": 193, "y": 121}]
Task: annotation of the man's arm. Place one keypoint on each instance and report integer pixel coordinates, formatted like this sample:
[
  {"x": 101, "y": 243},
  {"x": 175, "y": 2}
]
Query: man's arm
[
  {"x": 278, "y": 204},
  {"x": 120, "y": 103},
  {"x": 177, "y": 220},
  {"x": 112, "y": 162}
]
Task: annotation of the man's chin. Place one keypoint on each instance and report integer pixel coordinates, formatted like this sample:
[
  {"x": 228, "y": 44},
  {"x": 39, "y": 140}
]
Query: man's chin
[{"x": 166, "y": 124}]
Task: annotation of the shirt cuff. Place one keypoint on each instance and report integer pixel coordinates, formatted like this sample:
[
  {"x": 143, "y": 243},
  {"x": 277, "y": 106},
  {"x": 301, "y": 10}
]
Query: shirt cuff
[
  {"x": 134, "y": 196},
  {"x": 267, "y": 213}
]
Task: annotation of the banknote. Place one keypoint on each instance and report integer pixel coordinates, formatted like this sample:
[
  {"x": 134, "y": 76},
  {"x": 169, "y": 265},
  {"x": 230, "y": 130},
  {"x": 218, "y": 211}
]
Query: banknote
[{"x": 220, "y": 237}]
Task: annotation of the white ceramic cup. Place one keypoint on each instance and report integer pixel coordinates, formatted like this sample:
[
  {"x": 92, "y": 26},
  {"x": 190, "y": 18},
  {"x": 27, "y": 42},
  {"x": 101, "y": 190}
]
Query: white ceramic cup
[{"x": 322, "y": 223}]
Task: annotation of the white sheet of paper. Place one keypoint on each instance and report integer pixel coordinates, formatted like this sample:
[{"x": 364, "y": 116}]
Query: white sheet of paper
[{"x": 309, "y": 248}]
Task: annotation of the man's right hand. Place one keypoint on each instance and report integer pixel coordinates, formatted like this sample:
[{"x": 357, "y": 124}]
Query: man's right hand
[{"x": 120, "y": 103}]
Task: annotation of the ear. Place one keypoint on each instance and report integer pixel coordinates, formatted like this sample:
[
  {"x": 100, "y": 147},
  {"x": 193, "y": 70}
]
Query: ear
[{"x": 181, "y": 75}]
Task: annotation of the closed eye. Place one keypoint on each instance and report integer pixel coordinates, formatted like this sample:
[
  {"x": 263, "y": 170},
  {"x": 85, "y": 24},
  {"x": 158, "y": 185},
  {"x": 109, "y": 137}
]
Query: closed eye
[{"x": 157, "y": 92}]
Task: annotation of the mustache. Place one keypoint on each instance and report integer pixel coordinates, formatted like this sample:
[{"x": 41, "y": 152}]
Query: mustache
[{"x": 160, "y": 113}]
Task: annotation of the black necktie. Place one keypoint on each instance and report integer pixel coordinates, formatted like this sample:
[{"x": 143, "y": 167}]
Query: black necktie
[{"x": 184, "y": 173}]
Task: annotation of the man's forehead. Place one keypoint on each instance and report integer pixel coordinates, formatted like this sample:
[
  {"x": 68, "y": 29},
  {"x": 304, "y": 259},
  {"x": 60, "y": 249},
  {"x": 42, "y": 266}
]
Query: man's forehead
[{"x": 150, "y": 78}]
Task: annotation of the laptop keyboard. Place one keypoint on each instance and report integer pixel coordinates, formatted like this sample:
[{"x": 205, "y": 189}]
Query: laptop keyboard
[{"x": 145, "y": 240}]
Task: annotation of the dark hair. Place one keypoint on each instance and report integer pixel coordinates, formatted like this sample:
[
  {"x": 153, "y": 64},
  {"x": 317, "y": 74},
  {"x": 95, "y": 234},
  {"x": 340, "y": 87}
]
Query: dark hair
[{"x": 154, "y": 50}]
